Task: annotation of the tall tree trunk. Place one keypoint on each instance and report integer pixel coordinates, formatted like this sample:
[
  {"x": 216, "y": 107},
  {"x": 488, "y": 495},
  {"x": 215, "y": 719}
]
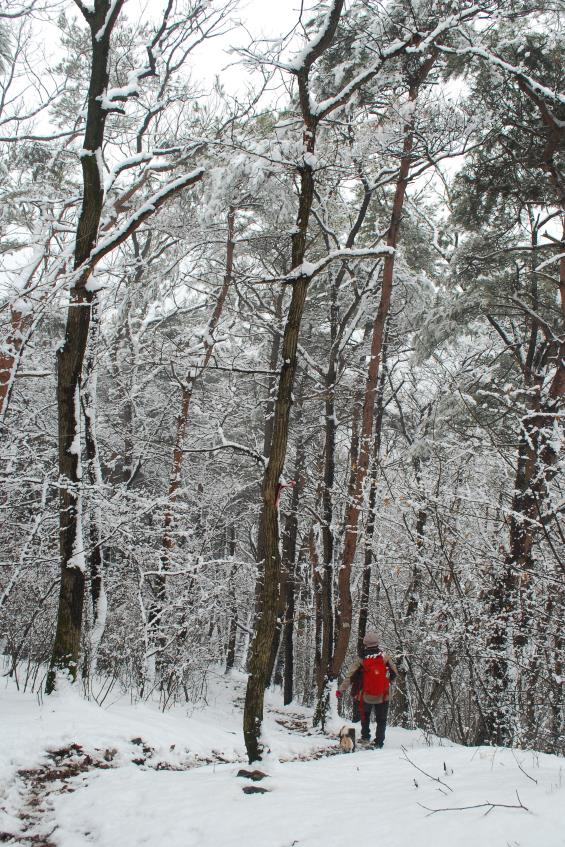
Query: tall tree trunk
[
  {"x": 509, "y": 599},
  {"x": 318, "y": 675},
  {"x": 268, "y": 534},
  {"x": 94, "y": 553},
  {"x": 275, "y": 646},
  {"x": 413, "y": 593},
  {"x": 355, "y": 503},
  {"x": 328, "y": 612},
  {"x": 505, "y": 596},
  {"x": 70, "y": 357},
  {"x": 327, "y": 529},
  {"x": 101, "y": 19},
  {"x": 272, "y": 381},
  {"x": 537, "y": 459},
  {"x": 288, "y": 639},
  {"x": 290, "y": 539},
  {"x": 556, "y": 656},
  {"x": 371, "y": 520},
  {"x": 268, "y": 434},
  {"x": 232, "y": 634}
]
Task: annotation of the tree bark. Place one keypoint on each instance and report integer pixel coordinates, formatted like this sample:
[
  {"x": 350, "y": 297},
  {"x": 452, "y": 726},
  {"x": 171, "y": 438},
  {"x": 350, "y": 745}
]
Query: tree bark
[
  {"x": 371, "y": 520},
  {"x": 318, "y": 675},
  {"x": 232, "y": 634},
  {"x": 272, "y": 381},
  {"x": 89, "y": 250},
  {"x": 354, "y": 506},
  {"x": 290, "y": 539},
  {"x": 70, "y": 357},
  {"x": 330, "y": 429},
  {"x": 268, "y": 537},
  {"x": 95, "y": 552},
  {"x": 537, "y": 462},
  {"x": 268, "y": 534}
]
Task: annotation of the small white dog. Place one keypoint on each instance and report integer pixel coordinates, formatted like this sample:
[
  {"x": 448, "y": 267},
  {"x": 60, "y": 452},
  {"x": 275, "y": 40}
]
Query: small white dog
[{"x": 347, "y": 739}]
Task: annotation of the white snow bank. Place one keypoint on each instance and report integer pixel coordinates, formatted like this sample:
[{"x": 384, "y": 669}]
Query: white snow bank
[
  {"x": 371, "y": 796},
  {"x": 331, "y": 802}
]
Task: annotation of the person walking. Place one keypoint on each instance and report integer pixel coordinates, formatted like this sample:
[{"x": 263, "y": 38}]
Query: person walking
[{"x": 370, "y": 677}]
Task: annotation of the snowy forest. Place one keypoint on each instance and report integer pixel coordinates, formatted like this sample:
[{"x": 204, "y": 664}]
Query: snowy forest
[{"x": 283, "y": 356}]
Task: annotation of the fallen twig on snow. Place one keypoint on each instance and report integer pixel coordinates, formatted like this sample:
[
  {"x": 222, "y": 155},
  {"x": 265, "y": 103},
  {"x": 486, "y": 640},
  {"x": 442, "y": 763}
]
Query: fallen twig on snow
[
  {"x": 433, "y": 778},
  {"x": 523, "y": 769},
  {"x": 488, "y": 806}
]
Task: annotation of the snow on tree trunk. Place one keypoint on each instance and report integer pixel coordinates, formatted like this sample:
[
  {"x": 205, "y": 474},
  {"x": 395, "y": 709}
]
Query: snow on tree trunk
[{"x": 70, "y": 357}]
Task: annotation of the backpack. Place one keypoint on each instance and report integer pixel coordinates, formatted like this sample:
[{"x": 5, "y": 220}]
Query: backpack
[{"x": 375, "y": 679}]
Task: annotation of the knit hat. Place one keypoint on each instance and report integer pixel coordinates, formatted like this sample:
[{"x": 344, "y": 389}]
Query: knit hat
[{"x": 371, "y": 639}]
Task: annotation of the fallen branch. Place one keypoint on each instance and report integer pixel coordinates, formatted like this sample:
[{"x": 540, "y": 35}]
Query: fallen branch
[
  {"x": 488, "y": 806},
  {"x": 433, "y": 778}
]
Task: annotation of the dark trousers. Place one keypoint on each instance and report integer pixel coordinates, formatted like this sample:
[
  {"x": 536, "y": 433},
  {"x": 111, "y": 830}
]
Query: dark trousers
[{"x": 381, "y": 713}]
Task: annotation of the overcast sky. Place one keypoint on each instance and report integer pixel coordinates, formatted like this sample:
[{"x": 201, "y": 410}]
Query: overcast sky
[{"x": 262, "y": 19}]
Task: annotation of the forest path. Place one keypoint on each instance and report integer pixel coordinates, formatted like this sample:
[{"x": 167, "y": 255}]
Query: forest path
[
  {"x": 61, "y": 746},
  {"x": 67, "y": 769}
]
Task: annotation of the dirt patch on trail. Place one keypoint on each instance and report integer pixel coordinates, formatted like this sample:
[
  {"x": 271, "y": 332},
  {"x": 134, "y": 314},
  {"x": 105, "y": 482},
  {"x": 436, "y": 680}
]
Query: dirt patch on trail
[
  {"x": 60, "y": 773},
  {"x": 62, "y": 768},
  {"x": 36, "y": 785}
]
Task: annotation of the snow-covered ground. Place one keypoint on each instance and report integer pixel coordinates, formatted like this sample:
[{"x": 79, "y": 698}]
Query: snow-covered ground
[{"x": 136, "y": 776}]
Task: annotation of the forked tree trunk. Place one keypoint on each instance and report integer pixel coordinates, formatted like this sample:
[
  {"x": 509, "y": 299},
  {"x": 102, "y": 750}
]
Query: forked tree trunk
[{"x": 268, "y": 534}]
